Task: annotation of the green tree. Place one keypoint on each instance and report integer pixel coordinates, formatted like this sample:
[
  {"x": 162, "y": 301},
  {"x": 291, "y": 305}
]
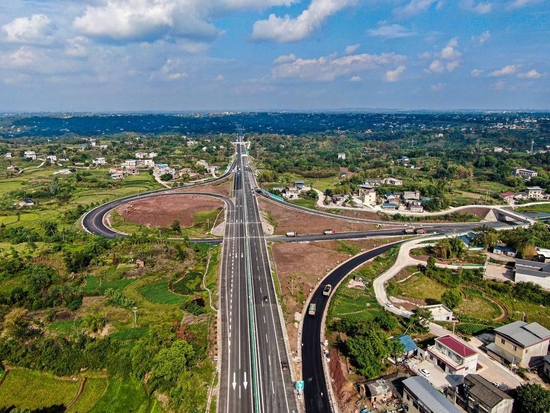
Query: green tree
[
  {"x": 452, "y": 298},
  {"x": 532, "y": 398},
  {"x": 166, "y": 177},
  {"x": 171, "y": 361},
  {"x": 420, "y": 320},
  {"x": 175, "y": 226}
]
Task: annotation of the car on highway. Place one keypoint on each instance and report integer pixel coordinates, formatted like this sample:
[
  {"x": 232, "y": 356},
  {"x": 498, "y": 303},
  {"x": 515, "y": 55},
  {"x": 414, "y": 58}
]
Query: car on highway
[
  {"x": 265, "y": 299},
  {"x": 388, "y": 304},
  {"x": 327, "y": 289},
  {"x": 284, "y": 365},
  {"x": 424, "y": 372}
]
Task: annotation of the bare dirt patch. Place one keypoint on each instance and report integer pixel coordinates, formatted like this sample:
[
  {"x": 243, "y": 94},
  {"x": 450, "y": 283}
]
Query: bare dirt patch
[
  {"x": 220, "y": 189},
  {"x": 288, "y": 219},
  {"x": 162, "y": 211}
]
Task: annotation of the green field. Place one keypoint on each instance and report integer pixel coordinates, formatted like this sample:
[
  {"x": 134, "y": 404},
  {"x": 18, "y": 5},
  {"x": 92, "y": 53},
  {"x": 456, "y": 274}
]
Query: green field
[
  {"x": 535, "y": 208},
  {"x": 123, "y": 396},
  {"x": 33, "y": 390},
  {"x": 473, "y": 304},
  {"x": 158, "y": 292},
  {"x": 93, "y": 391},
  {"x": 353, "y": 302},
  {"x": 94, "y": 286}
]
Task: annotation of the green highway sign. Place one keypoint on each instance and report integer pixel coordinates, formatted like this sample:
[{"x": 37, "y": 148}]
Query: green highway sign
[{"x": 299, "y": 385}]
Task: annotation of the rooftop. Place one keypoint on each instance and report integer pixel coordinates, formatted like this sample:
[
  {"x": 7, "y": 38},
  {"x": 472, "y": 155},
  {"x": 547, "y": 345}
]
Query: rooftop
[
  {"x": 379, "y": 387},
  {"x": 408, "y": 342},
  {"x": 483, "y": 390},
  {"x": 428, "y": 394},
  {"x": 524, "y": 334},
  {"x": 456, "y": 346}
]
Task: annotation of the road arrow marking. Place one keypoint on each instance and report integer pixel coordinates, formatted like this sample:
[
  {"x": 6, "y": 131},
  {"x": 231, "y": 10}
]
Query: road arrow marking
[
  {"x": 234, "y": 382},
  {"x": 245, "y": 382}
]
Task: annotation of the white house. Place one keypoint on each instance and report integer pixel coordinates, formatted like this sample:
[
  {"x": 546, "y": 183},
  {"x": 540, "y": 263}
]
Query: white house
[
  {"x": 441, "y": 313},
  {"x": 51, "y": 158},
  {"x": 29, "y": 155},
  {"x": 129, "y": 163},
  {"x": 99, "y": 161},
  {"x": 393, "y": 181},
  {"x": 367, "y": 194},
  {"x": 341, "y": 155},
  {"x": 525, "y": 173},
  {"x": 532, "y": 271},
  {"x": 534, "y": 192},
  {"x": 452, "y": 356}
]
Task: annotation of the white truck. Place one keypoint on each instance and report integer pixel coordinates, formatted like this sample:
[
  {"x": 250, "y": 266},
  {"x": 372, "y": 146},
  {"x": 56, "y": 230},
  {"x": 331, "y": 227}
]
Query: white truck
[
  {"x": 328, "y": 232},
  {"x": 291, "y": 233},
  {"x": 312, "y": 308}
]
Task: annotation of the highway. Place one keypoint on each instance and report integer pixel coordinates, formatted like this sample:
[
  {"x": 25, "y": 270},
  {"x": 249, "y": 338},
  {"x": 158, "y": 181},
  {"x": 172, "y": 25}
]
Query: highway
[
  {"x": 252, "y": 378},
  {"x": 315, "y": 389}
]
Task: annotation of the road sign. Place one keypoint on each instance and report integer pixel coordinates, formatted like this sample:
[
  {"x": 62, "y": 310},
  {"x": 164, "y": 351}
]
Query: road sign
[{"x": 299, "y": 385}]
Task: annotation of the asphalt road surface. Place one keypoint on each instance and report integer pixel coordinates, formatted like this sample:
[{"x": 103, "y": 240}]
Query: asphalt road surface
[
  {"x": 252, "y": 377},
  {"x": 315, "y": 388}
]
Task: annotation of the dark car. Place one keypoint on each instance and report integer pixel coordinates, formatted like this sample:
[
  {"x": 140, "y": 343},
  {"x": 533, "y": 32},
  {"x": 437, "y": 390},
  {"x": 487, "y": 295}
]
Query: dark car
[
  {"x": 284, "y": 365},
  {"x": 265, "y": 299}
]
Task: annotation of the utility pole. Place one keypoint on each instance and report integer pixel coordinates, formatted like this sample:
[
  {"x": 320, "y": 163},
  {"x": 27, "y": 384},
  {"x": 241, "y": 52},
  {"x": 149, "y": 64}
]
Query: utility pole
[{"x": 135, "y": 315}]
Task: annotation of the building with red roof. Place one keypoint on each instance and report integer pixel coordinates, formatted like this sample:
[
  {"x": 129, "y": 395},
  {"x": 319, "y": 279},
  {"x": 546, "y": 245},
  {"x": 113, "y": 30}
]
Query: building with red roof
[{"x": 452, "y": 356}]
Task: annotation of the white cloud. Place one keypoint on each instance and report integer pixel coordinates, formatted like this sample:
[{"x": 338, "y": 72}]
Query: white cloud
[
  {"x": 21, "y": 58},
  {"x": 482, "y": 38},
  {"x": 476, "y": 73},
  {"x": 523, "y": 3},
  {"x": 436, "y": 66},
  {"x": 505, "y": 71},
  {"x": 425, "y": 56},
  {"x": 34, "y": 30},
  {"x": 478, "y": 8},
  {"x": 77, "y": 47},
  {"x": 355, "y": 79},
  {"x": 150, "y": 20},
  {"x": 499, "y": 85},
  {"x": 328, "y": 68},
  {"x": 450, "y": 52},
  {"x": 220, "y": 78},
  {"x": 391, "y": 31},
  {"x": 285, "y": 59},
  {"x": 448, "y": 59},
  {"x": 287, "y": 29},
  {"x": 393, "y": 75},
  {"x": 170, "y": 71},
  {"x": 437, "y": 87},
  {"x": 352, "y": 48},
  {"x": 413, "y": 8},
  {"x": 531, "y": 74}
]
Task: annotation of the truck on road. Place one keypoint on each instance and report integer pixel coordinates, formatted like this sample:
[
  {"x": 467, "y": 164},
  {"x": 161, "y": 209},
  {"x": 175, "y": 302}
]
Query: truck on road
[
  {"x": 291, "y": 233},
  {"x": 328, "y": 232},
  {"x": 409, "y": 231},
  {"x": 420, "y": 231},
  {"x": 312, "y": 308}
]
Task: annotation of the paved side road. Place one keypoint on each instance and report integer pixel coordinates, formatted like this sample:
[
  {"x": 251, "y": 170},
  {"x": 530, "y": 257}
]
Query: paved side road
[{"x": 490, "y": 369}]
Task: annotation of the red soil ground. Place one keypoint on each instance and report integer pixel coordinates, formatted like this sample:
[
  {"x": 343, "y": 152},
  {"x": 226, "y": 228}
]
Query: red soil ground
[{"x": 162, "y": 211}]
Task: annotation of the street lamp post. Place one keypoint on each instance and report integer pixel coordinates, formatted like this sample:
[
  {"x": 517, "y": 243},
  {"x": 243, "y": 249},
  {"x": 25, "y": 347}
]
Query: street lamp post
[{"x": 135, "y": 315}]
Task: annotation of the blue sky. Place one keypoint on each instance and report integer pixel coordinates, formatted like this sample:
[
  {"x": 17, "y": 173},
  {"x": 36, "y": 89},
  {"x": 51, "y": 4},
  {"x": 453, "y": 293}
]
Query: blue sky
[{"x": 170, "y": 55}]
